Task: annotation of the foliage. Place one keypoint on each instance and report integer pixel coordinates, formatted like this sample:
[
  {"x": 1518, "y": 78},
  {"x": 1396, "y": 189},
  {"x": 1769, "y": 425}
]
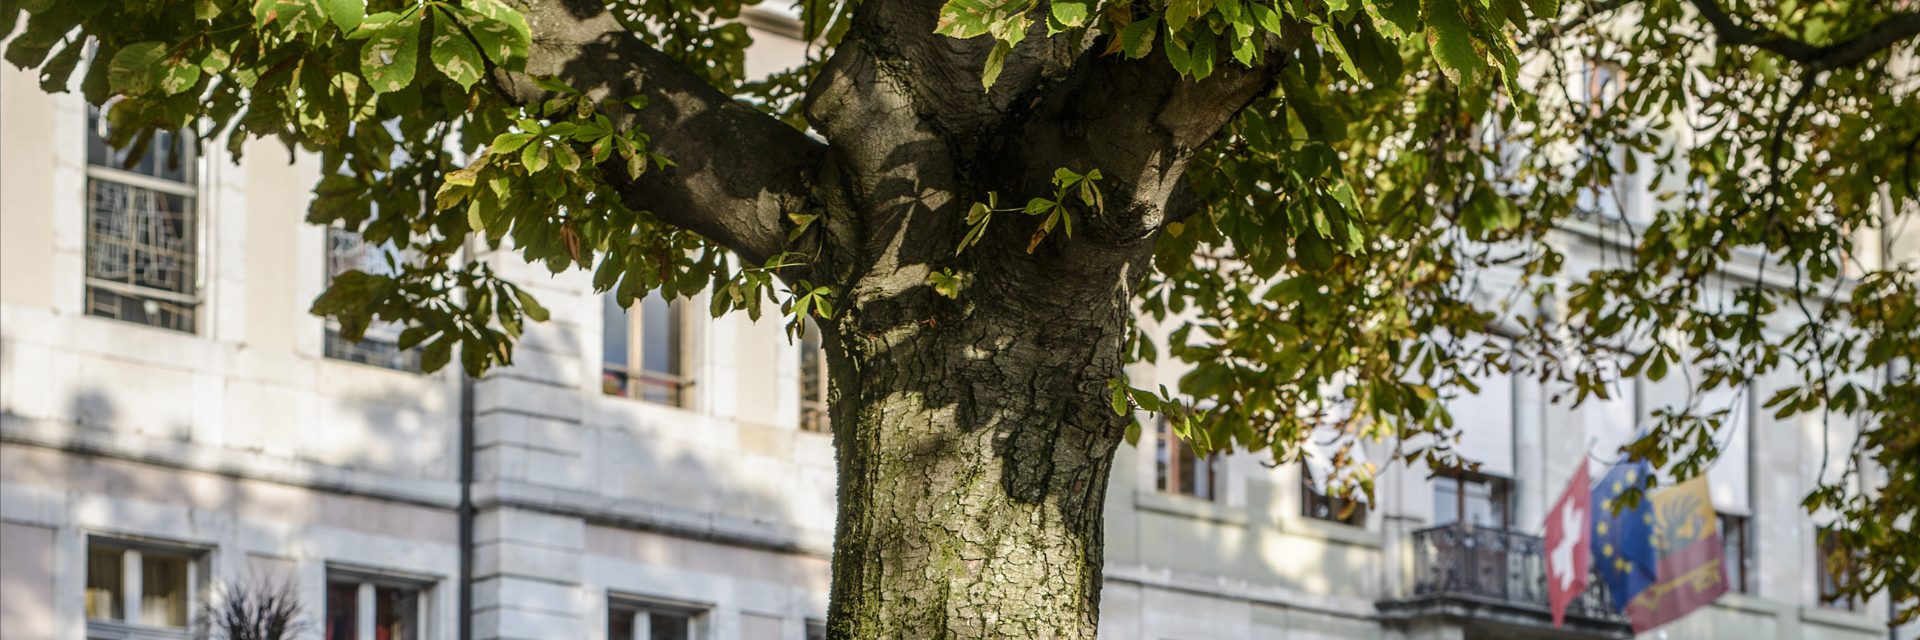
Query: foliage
[{"x": 1375, "y": 230}]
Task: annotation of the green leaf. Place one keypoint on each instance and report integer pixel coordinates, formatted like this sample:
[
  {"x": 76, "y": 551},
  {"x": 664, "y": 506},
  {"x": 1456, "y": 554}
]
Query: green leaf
[
  {"x": 996, "y": 60},
  {"x": 215, "y": 61},
  {"x": 1343, "y": 192},
  {"x": 1070, "y": 13},
  {"x": 530, "y": 305},
  {"x": 501, "y": 32},
  {"x": 294, "y": 16},
  {"x": 453, "y": 53},
  {"x": 973, "y": 18},
  {"x": 437, "y": 354},
  {"x": 177, "y": 76},
  {"x": 59, "y": 68},
  {"x": 345, "y": 14},
  {"x": 509, "y": 142},
  {"x": 391, "y": 53},
  {"x": 1137, "y": 39},
  {"x": 1331, "y": 42},
  {"x": 135, "y": 69},
  {"x": 1179, "y": 12},
  {"x": 534, "y": 158},
  {"x": 1395, "y": 18},
  {"x": 947, "y": 283},
  {"x": 1452, "y": 42}
]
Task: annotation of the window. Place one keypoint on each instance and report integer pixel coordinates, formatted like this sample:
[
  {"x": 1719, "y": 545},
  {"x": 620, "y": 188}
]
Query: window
[
  {"x": 1472, "y": 498},
  {"x": 374, "y": 608},
  {"x": 813, "y": 380},
  {"x": 1178, "y": 470},
  {"x": 1614, "y": 186},
  {"x": 1320, "y": 506},
  {"x": 142, "y": 235},
  {"x": 1736, "y": 550},
  {"x": 1831, "y": 568},
  {"x": 379, "y": 345},
  {"x": 643, "y": 351},
  {"x": 636, "y": 620},
  {"x": 816, "y": 629},
  {"x": 139, "y": 586}
]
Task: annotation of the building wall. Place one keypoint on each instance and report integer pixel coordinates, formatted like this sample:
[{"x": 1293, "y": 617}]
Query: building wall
[{"x": 244, "y": 441}]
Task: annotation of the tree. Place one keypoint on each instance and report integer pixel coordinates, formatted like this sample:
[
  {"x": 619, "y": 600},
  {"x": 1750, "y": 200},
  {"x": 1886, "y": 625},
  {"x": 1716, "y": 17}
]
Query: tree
[
  {"x": 258, "y": 608},
  {"x": 975, "y": 198}
]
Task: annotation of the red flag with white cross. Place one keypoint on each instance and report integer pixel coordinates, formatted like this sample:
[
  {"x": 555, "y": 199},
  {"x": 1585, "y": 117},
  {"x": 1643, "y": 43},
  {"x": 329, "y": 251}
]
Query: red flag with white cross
[{"x": 1568, "y": 556}]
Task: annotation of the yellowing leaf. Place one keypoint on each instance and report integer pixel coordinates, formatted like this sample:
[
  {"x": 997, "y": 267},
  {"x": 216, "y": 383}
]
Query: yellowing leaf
[
  {"x": 453, "y": 53},
  {"x": 390, "y": 54}
]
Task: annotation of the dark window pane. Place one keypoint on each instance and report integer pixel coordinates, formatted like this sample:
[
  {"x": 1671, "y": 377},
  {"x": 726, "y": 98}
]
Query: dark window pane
[
  {"x": 613, "y": 333},
  {"x": 1163, "y": 458},
  {"x": 343, "y": 610},
  {"x": 620, "y": 625},
  {"x": 166, "y": 315},
  {"x": 660, "y": 335},
  {"x": 379, "y": 345},
  {"x": 104, "y": 583},
  {"x": 668, "y": 626},
  {"x": 395, "y": 614},
  {"x": 1446, "y": 500},
  {"x": 138, "y": 241},
  {"x": 813, "y": 379},
  {"x": 1334, "y": 509},
  {"x": 163, "y": 590},
  {"x": 1473, "y": 499},
  {"x": 169, "y": 156}
]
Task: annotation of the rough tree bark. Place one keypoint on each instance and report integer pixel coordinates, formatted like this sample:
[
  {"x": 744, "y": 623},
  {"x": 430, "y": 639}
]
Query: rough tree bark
[{"x": 974, "y": 434}]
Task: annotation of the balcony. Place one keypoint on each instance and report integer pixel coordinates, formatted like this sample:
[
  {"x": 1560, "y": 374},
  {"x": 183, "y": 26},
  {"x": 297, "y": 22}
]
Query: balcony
[{"x": 1493, "y": 583}]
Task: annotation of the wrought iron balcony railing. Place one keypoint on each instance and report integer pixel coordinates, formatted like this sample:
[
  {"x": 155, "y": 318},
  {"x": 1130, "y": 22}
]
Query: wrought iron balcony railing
[{"x": 1497, "y": 567}]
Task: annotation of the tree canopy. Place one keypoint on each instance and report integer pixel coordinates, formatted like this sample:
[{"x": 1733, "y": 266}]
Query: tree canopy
[{"x": 1346, "y": 207}]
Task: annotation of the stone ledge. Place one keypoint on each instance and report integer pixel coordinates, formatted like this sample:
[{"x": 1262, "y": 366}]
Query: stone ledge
[
  {"x": 1190, "y": 508},
  {"x": 62, "y": 436},
  {"x": 637, "y": 514}
]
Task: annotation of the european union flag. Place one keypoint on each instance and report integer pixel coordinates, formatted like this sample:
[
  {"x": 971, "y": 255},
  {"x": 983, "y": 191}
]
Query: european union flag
[{"x": 1623, "y": 551}]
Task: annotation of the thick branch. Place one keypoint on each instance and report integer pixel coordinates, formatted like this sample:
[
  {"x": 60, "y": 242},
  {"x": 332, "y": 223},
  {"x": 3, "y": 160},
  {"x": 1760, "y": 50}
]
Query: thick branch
[
  {"x": 739, "y": 171},
  {"x": 1846, "y": 53},
  {"x": 942, "y": 75},
  {"x": 1138, "y": 122}
]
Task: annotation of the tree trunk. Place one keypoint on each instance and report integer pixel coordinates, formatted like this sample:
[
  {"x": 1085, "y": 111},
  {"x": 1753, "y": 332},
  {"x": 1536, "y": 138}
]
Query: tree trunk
[{"x": 974, "y": 440}]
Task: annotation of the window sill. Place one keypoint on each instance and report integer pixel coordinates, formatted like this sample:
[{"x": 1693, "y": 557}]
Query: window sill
[
  {"x": 1747, "y": 603},
  {"x": 1332, "y": 531},
  {"x": 1854, "y": 620},
  {"x": 1189, "y": 507},
  {"x": 116, "y": 630}
]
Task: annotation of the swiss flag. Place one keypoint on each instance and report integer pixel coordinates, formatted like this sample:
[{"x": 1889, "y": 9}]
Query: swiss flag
[{"x": 1568, "y": 555}]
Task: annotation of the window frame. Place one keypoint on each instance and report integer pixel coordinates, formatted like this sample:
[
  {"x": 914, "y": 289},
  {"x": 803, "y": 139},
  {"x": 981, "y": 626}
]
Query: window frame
[
  {"x": 366, "y": 584},
  {"x": 635, "y": 377},
  {"x": 1825, "y": 548},
  {"x": 339, "y": 349},
  {"x": 814, "y": 417},
  {"x": 132, "y": 554},
  {"x": 190, "y": 189},
  {"x": 1165, "y": 480},
  {"x": 1736, "y": 534},
  {"x": 1500, "y": 488},
  {"x": 641, "y": 608},
  {"x": 1311, "y": 497}
]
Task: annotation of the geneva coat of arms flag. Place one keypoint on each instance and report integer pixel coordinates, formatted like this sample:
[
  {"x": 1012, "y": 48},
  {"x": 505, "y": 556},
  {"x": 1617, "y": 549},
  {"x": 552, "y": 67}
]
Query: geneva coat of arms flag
[{"x": 1690, "y": 569}]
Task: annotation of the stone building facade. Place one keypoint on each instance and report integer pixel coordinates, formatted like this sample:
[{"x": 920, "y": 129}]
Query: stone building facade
[{"x": 173, "y": 423}]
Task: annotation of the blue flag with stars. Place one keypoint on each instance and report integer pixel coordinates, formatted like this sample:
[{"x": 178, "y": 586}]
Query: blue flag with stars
[{"x": 1623, "y": 551}]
